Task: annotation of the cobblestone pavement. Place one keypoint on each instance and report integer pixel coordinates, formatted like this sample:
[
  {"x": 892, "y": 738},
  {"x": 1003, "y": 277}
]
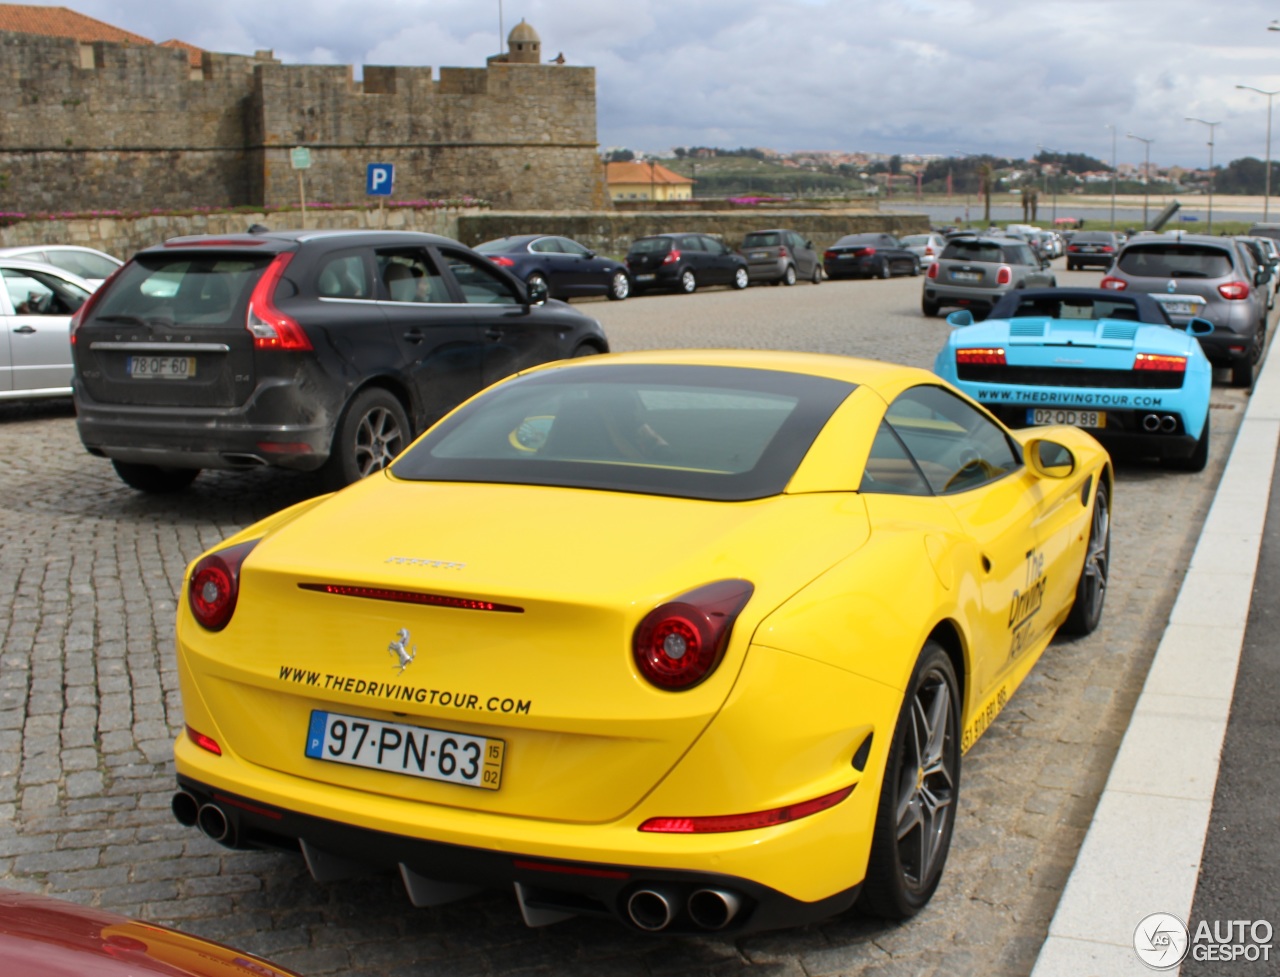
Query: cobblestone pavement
[{"x": 89, "y": 572}]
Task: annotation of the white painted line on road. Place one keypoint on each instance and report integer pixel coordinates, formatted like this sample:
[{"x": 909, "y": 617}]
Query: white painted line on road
[{"x": 1143, "y": 849}]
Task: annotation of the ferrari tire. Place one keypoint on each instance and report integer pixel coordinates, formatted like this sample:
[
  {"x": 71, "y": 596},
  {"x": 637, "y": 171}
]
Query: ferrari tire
[
  {"x": 1091, "y": 588},
  {"x": 789, "y": 276},
  {"x": 688, "y": 281},
  {"x": 619, "y": 286},
  {"x": 741, "y": 279},
  {"x": 374, "y": 429},
  {"x": 154, "y": 479},
  {"x": 918, "y": 799}
]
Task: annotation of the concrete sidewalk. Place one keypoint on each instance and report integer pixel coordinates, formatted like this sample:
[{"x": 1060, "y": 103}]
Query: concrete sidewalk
[{"x": 1143, "y": 852}]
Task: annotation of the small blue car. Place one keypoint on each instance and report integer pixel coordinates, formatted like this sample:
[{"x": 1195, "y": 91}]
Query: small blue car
[{"x": 1109, "y": 362}]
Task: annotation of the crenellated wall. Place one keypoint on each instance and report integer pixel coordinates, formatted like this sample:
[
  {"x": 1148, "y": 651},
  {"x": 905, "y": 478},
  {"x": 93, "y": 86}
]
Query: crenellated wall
[{"x": 132, "y": 127}]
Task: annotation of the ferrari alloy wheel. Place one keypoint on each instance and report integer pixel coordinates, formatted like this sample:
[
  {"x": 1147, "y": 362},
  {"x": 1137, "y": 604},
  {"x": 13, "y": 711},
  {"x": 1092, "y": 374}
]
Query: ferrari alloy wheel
[
  {"x": 373, "y": 430},
  {"x": 619, "y": 286},
  {"x": 688, "y": 281},
  {"x": 917, "y": 808},
  {"x": 154, "y": 479},
  {"x": 741, "y": 279},
  {"x": 1091, "y": 590},
  {"x": 789, "y": 276}
]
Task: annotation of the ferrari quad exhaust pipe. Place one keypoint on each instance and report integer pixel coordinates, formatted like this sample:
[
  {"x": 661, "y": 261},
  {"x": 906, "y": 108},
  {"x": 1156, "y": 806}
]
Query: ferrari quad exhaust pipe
[
  {"x": 185, "y": 808},
  {"x": 713, "y": 909},
  {"x": 650, "y": 910},
  {"x": 214, "y": 822}
]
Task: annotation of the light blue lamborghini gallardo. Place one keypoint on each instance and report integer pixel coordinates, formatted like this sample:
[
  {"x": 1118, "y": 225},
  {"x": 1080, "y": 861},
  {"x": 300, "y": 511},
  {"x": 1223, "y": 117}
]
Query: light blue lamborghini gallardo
[{"x": 1109, "y": 362}]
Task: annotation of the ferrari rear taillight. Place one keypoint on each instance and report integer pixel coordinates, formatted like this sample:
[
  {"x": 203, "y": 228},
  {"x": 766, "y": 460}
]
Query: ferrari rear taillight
[
  {"x": 271, "y": 328},
  {"x": 933, "y": 271},
  {"x": 1233, "y": 290},
  {"x": 1115, "y": 284},
  {"x": 82, "y": 313},
  {"x": 1004, "y": 275},
  {"x": 1160, "y": 362},
  {"x": 680, "y": 643},
  {"x": 672, "y": 257},
  {"x": 985, "y": 356},
  {"x": 215, "y": 586},
  {"x": 718, "y": 823}
]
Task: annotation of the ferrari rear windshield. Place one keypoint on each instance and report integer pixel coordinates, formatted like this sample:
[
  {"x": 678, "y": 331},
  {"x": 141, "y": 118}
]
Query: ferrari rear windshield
[{"x": 699, "y": 432}]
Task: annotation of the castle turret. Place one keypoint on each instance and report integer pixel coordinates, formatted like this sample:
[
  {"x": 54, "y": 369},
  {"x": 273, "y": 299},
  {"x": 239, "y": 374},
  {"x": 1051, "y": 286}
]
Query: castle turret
[{"x": 524, "y": 46}]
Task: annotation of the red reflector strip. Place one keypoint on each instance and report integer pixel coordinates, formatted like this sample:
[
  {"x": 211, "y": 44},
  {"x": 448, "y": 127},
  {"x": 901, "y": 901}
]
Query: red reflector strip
[
  {"x": 989, "y": 355},
  {"x": 411, "y": 597},
  {"x": 204, "y": 742},
  {"x": 746, "y": 822},
  {"x": 595, "y": 873},
  {"x": 284, "y": 447},
  {"x": 1158, "y": 361},
  {"x": 266, "y": 812}
]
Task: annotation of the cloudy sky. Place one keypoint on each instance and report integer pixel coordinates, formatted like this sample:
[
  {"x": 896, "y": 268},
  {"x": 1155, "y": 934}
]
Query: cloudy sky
[{"x": 889, "y": 76}]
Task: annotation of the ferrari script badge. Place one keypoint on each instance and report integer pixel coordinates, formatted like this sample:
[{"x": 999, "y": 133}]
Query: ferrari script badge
[{"x": 400, "y": 648}]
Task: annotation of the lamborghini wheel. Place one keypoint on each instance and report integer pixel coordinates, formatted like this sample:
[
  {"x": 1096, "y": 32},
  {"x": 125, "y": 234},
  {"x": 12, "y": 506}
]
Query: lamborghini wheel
[{"x": 1091, "y": 589}]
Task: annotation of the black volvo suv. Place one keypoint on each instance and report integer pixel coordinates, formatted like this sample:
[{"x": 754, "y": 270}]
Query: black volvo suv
[{"x": 311, "y": 350}]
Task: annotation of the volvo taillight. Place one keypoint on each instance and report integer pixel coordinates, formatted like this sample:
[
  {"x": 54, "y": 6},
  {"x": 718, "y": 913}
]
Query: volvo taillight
[
  {"x": 1004, "y": 276},
  {"x": 271, "y": 328},
  {"x": 215, "y": 585},
  {"x": 1233, "y": 290},
  {"x": 680, "y": 643},
  {"x": 82, "y": 313},
  {"x": 1115, "y": 284}
]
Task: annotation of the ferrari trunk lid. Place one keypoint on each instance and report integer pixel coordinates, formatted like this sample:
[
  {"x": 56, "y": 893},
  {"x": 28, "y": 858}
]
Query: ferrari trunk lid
[{"x": 500, "y": 613}]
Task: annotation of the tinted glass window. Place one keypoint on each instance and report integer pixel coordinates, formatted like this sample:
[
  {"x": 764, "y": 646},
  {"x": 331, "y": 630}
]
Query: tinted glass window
[
  {"x": 546, "y": 245},
  {"x": 1175, "y": 260},
  {"x": 411, "y": 276},
  {"x": 957, "y": 447},
  {"x": 572, "y": 247},
  {"x": 890, "y": 470},
  {"x": 37, "y": 293},
  {"x": 651, "y": 245},
  {"x": 865, "y": 239},
  {"x": 480, "y": 285},
  {"x": 1019, "y": 254},
  {"x": 767, "y": 239},
  {"x": 345, "y": 277},
  {"x": 194, "y": 290},
  {"x": 82, "y": 263},
  {"x": 963, "y": 250},
  {"x": 1093, "y": 237},
  {"x": 691, "y": 431}
]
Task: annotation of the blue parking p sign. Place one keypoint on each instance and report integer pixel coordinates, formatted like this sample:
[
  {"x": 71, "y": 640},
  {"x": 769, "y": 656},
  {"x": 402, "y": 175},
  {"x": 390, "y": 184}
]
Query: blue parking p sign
[{"x": 379, "y": 180}]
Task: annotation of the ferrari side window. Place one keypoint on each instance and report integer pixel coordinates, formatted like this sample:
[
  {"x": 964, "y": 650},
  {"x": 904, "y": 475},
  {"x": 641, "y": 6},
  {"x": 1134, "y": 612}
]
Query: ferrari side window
[
  {"x": 957, "y": 447},
  {"x": 889, "y": 469}
]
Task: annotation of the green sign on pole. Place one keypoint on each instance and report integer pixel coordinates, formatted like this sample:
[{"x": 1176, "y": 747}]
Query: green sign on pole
[{"x": 300, "y": 157}]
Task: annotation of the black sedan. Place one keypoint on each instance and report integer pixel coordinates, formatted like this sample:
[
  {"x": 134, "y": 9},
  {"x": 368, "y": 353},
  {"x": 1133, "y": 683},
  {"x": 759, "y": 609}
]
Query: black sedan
[
  {"x": 568, "y": 268},
  {"x": 871, "y": 255}
]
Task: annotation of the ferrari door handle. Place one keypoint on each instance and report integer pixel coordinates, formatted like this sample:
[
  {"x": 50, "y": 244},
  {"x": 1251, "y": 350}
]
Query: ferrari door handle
[{"x": 25, "y": 330}]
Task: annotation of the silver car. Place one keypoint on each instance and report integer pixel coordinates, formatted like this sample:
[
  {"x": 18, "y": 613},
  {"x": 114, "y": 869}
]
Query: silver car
[
  {"x": 1214, "y": 278},
  {"x": 36, "y": 305},
  {"x": 927, "y": 247},
  {"x": 92, "y": 265},
  {"x": 974, "y": 272}
]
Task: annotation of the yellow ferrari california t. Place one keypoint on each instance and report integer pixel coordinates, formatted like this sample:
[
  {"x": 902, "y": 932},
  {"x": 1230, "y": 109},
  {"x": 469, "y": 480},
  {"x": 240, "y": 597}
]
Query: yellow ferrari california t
[{"x": 691, "y": 639}]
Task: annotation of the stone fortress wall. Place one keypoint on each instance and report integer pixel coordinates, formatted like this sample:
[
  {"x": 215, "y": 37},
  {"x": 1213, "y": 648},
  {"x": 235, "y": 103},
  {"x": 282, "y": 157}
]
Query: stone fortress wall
[{"x": 106, "y": 126}]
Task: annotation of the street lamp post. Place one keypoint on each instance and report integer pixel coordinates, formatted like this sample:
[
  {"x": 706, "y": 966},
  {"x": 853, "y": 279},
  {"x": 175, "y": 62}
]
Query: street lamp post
[
  {"x": 1212, "y": 126},
  {"x": 1146, "y": 174},
  {"x": 1113, "y": 175},
  {"x": 1266, "y": 199}
]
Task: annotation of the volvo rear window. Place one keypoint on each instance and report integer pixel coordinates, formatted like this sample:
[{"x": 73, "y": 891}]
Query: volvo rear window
[
  {"x": 1174, "y": 260},
  {"x": 701, "y": 432},
  {"x": 192, "y": 290}
]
